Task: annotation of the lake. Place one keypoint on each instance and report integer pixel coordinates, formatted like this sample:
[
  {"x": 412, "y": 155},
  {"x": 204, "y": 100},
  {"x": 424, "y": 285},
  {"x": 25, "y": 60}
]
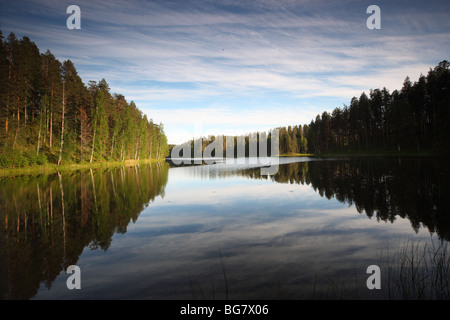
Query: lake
[{"x": 222, "y": 231}]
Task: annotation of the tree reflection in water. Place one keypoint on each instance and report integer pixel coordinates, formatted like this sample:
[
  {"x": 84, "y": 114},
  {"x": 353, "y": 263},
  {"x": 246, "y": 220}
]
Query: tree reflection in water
[
  {"x": 417, "y": 189},
  {"x": 47, "y": 220}
]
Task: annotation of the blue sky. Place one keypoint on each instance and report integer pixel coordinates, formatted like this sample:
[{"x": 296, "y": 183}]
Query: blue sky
[{"x": 233, "y": 67}]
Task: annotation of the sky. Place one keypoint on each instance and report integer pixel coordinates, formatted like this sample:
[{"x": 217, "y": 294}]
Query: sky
[{"x": 234, "y": 67}]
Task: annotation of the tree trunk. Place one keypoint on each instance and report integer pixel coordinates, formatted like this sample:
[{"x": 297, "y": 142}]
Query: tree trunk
[
  {"x": 136, "y": 150},
  {"x": 112, "y": 146},
  {"x": 93, "y": 140},
  {"x": 84, "y": 128},
  {"x": 62, "y": 128},
  {"x": 18, "y": 124},
  {"x": 9, "y": 90},
  {"x": 44, "y": 136},
  {"x": 25, "y": 113},
  {"x": 39, "y": 136},
  {"x": 81, "y": 139},
  {"x": 150, "y": 153},
  {"x": 51, "y": 119}
]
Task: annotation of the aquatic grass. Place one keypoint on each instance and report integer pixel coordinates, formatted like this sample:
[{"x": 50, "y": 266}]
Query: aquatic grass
[
  {"x": 338, "y": 287},
  {"x": 417, "y": 271},
  {"x": 195, "y": 285},
  {"x": 224, "y": 273},
  {"x": 412, "y": 270}
]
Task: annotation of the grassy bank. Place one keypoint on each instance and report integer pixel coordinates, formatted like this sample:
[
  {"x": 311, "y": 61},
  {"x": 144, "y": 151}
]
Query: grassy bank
[{"x": 50, "y": 168}]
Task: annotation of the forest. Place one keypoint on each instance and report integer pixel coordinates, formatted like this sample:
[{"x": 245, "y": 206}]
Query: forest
[
  {"x": 414, "y": 119},
  {"x": 49, "y": 116}
]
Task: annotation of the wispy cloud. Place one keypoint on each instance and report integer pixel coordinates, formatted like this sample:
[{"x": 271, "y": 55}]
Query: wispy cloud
[{"x": 162, "y": 54}]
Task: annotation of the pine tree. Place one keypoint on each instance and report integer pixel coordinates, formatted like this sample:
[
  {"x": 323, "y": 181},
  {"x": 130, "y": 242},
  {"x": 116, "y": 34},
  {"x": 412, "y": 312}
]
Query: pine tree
[{"x": 48, "y": 114}]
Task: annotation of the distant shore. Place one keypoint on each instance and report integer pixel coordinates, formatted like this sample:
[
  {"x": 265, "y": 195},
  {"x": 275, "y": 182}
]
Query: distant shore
[
  {"x": 365, "y": 154},
  {"x": 376, "y": 154}
]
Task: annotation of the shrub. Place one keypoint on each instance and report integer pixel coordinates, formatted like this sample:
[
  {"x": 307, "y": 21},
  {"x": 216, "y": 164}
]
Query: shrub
[
  {"x": 32, "y": 157},
  {"x": 5, "y": 161},
  {"x": 42, "y": 159},
  {"x": 20, "y": 160}
]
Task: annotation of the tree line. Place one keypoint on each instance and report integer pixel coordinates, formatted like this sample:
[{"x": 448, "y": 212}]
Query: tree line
[
  {"x": 291, "y": 139},
  {"x": 248, "y": 145},
  {"x": 414, "y": 118},
  {"x": 48, "y": 115}
]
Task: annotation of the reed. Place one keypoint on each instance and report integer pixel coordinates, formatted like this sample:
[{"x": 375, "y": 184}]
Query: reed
[{"x": 418, "y": 271}]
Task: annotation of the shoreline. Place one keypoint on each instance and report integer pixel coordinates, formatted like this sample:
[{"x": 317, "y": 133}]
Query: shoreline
[
  {"x": 51, "y": 168},
  {"x": 374, "y": 154},
  {"x": 425, "y": 154}
]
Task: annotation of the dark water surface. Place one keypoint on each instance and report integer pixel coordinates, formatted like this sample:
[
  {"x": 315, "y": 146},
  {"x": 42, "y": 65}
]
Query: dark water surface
[{"x": 226, "y": 232}]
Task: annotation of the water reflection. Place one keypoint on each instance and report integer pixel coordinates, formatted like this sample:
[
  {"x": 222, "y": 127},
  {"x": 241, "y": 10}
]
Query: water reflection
[
  {"x": 416, "y": 189},
  {"x": 217, "y": 231},
  {"x": 47, "y": 220}
]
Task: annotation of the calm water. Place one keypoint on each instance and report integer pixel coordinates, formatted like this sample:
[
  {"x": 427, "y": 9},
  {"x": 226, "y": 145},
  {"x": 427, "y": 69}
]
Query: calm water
[{"x": 226, "y": 232}]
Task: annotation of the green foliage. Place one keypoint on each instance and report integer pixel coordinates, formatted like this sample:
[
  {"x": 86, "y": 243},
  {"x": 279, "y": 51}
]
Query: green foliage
[
  {"x": 41, "y": 159},
  {"x": 32, "y": 158},
  {"x": 292, "y": 140},
  {"x": 5, "y": 161},
  {"x": 17, "y": 159},
  {"x": 44, "y": 105}
]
